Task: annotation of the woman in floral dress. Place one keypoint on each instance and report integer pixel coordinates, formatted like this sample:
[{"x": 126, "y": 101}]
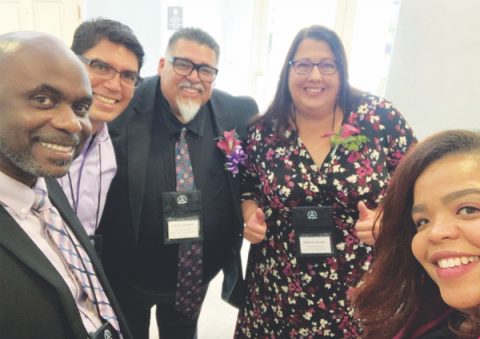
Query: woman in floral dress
[{"x": 320, "y": 143}]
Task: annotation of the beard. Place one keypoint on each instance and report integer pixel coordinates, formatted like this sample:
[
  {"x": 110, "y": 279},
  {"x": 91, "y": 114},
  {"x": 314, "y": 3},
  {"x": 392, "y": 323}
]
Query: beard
[
  {"x": 23, "y": 163},
  {"x": 188, "y": 109}
]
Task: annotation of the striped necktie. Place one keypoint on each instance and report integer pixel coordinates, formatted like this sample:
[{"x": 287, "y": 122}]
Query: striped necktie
[
  {"x": 74, "y": 256},
  {"x": 190, "y": 288}
]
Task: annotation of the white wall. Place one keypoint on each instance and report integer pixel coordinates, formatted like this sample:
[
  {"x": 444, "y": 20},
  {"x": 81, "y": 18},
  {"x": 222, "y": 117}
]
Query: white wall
[
  {"x": 228, "y": 21},
  {"x": 434, "y": 75},
  {"x": 143, "y": 17}
]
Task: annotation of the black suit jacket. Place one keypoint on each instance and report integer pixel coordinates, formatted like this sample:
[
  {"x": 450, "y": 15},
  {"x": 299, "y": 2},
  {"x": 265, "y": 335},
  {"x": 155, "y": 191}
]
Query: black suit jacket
[
  {"x": 35, "y": 302},
  {"x": 131, "y": 135}
]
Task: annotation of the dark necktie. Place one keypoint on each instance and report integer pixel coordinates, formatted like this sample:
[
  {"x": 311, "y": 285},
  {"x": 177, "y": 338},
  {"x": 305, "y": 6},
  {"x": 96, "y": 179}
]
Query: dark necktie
[
  {"x": 190, "y": 288},
  {"x": 75, "y": 257}
]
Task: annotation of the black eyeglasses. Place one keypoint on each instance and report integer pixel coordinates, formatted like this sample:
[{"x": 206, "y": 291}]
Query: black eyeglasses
[
  {"x": 106, "y": 71},
  {"x": 305, "y": 67},
  {"x": 185, "y": 67}
]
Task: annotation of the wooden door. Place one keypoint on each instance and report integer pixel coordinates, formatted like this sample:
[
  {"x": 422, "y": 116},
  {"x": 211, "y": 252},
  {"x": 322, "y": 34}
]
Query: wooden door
[{"x": 57, "y": 17}]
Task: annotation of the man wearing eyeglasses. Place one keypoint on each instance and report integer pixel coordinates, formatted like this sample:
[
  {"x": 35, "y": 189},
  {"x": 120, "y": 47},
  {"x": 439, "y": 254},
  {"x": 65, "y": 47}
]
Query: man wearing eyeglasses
[
  {"x": 113, "y": 57},
  {"x": 151, "y": 217}
]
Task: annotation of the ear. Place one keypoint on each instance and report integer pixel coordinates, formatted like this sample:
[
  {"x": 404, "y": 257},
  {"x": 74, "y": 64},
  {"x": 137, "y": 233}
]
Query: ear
[{"x": 161, "y": 66}]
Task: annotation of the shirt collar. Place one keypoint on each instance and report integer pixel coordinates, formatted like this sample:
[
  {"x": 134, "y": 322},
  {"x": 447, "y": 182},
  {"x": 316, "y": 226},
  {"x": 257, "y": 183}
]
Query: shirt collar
[
  {"x": 16, "y": 195},
  {"x": 99, "y": 137},
  {"x": 102, "y": 134},
  {"x": 174, "y": 126}
]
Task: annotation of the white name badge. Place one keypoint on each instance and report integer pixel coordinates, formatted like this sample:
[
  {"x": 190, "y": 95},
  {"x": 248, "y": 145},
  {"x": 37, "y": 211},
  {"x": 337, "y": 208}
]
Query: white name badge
[
  {"x": 314, "y": 229},
  {"x": 183, "y": 228},
  {"x": 315, "y": 244},
  {"x": 182, "y": 217}
]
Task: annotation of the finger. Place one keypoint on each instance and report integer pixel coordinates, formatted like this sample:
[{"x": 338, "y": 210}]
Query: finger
[
  {"x": 260, "y": 215},
  {"x": 364, "y": 226},
  {"x": 254, "y": 240},
  {"x": 253, "y": 237},
  {"x": 256, "y": 227},
  {"x": 250, "y": 233},
  {"x": 366, "y": 238},
  {"x": 363, "y": 210}
]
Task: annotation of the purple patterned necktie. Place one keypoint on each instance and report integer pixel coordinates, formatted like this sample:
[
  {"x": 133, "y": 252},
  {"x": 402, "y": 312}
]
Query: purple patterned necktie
[
  {"x": 190, "y": 289},
  {"x": 74, "y": 256}
]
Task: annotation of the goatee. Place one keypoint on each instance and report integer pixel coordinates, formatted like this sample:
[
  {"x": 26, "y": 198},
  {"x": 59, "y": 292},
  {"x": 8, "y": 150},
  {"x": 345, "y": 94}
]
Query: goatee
[{"x": 188, "y": 109}]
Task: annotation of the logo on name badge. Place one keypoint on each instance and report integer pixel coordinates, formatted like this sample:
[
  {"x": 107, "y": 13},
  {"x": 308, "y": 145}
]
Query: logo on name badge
[
  {"x": 312, "y": 215},
  {"x": 182, "y": 199},
  {"x": 107, "y": 334}
]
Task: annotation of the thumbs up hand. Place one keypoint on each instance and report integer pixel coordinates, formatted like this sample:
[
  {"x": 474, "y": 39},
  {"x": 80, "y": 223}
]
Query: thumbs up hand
[
  {"x": 366, "y": 227},
  {"x": 255, "y": 227}
]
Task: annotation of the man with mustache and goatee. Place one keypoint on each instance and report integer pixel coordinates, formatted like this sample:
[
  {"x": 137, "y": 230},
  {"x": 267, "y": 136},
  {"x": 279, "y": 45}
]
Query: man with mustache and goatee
[
  {"x": 51, "y": 282},
  {"x": 172, "y": 219}
]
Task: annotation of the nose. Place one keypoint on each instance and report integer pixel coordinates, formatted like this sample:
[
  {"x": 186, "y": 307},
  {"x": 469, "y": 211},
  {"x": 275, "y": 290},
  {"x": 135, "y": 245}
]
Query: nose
[
  {"x": 194, "y": 75},
  {"x": 443, "y": 229},
  {"x": 113, "y": 84},
  {"x": 66, "y": 120},
  {"x": 316, "y": 72}
]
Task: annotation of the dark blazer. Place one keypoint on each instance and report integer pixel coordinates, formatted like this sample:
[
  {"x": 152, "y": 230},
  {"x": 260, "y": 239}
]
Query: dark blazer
[
  {"x": 35, "y": 302},
  {"x": 131, "y": 135}
]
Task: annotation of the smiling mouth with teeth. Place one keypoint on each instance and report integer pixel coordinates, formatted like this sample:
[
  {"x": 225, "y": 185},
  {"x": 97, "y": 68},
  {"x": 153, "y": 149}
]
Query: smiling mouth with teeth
[
  {"x": 456, "y": 262},
  {"x": 314, "y": 90},
  {"x": 56, "y": 147},
  {"x": 105, "y": 99}
]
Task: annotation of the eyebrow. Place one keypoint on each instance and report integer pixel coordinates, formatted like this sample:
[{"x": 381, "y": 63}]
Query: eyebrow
[
  {"x": 447, "y": 198},
  {"x": 419, "y": 208},
  {"x": 87, "y": 100},
  {"x": 45, "y": 88},
  {"x": 109, "y": 65},
  {"x": 321, "y": 59},
  {"x": 187, "y": 59},
  {"x": 458, "y": 194}
]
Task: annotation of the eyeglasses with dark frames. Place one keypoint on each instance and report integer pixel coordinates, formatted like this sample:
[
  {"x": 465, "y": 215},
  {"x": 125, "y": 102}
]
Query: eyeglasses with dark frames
[
  {"x": 185, "y": 67},
  {"x": 305, "y": 67},
  {"x": 106, "y": 71}
]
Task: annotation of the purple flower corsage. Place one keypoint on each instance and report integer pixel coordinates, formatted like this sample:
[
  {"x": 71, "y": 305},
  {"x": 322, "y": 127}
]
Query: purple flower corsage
[{"x": 234, "y": 153}]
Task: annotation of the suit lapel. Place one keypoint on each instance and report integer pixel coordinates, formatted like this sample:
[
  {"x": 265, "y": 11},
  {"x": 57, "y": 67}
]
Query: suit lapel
[
  {"x": 19, "y": 243},
  {"x": 138, "y": 149},
  {"x": 138, "y": 146},
  {"x": 222, "y": 124},
  {"x": 15, "y": 240}
]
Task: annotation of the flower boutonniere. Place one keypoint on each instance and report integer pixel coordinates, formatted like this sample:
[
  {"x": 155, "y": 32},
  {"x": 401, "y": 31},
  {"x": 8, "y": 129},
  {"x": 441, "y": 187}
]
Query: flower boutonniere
[
  {"x": 348, "y": 137},
  {"x": 232, "y": 147}
]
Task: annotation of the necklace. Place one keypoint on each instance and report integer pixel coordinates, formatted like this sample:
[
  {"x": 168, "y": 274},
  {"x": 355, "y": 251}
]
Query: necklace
[{"x": 334, "y": 116}]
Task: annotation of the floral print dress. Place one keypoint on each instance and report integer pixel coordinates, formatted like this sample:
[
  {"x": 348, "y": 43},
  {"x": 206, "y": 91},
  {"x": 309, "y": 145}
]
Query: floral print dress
[{"x": 307, "y": 297}]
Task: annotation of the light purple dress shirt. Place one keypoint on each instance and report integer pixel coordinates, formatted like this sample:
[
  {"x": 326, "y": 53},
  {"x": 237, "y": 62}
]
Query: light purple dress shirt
[{"x": 88, "y": 180}]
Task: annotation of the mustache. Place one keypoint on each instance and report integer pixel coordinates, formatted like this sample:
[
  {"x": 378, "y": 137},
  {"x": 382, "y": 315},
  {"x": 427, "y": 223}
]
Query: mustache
[
  {"x": 67, "y": 140},
  {"x": 188, "y": 84}
]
